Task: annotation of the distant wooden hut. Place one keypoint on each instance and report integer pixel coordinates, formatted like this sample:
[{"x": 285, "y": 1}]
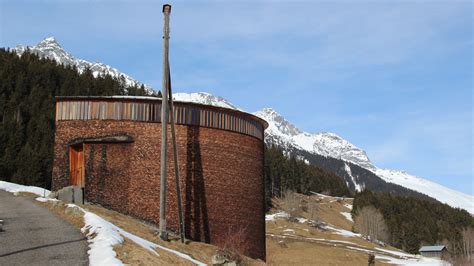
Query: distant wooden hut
[{"x": 440, "y": 252}]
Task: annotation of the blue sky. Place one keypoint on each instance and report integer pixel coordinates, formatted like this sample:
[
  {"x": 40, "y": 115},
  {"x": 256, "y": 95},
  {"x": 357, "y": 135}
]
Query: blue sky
[{"x": 394, "y": 78}]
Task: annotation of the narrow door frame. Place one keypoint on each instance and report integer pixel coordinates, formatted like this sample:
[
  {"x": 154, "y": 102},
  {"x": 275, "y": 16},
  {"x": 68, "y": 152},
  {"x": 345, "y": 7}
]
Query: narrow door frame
[{"x": 76, "y": 165}]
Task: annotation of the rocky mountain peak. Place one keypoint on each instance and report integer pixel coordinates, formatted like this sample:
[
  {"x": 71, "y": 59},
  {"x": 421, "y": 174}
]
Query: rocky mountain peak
[
  {"x": 51, "y": 49},
  {"x": 330, "y": 144},
  {"x": 278, "y": 123},
  {"x": 50, "y": 41}
]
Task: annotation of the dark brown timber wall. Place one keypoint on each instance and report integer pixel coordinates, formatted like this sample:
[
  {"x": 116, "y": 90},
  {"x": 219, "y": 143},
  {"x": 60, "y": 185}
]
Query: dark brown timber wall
[{"x": 221, "y": 173}]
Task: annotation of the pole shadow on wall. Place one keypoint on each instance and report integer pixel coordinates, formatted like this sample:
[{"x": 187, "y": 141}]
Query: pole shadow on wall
[{"x": 195, "y": 216}]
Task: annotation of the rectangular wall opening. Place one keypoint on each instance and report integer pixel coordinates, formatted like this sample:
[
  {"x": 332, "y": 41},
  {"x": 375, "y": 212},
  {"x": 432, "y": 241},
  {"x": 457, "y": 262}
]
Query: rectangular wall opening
[{"x": 76, "y": 165}]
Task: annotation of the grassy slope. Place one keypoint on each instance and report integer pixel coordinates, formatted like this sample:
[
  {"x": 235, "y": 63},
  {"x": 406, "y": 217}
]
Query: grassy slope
[
  {"x": 288, "y": 243},
  {"x": 310, "y": 245},
  {"x": 132, "y": 254}
]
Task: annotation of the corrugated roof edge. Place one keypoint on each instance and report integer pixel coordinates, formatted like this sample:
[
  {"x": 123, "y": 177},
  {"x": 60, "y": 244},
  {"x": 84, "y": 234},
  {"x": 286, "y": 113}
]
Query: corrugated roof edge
[{"x": 150, "y": 98}]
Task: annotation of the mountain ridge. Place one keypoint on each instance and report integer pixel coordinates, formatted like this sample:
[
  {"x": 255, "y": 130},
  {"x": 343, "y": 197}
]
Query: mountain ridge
[
  {"x": 51, "y": 49},
  {"x": 331, "y": 145}
]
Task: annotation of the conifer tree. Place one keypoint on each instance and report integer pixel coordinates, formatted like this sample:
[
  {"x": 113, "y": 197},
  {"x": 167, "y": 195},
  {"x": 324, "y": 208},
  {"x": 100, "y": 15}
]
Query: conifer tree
[{"x": 27, "y": 90}]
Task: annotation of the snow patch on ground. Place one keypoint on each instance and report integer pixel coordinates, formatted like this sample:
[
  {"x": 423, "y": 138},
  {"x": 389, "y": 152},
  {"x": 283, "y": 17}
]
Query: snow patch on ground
[
  {"x": 15, "y": 188},
  {"x": 421, "y": 261},
  {"x": 181, "y": 255},
  {"x": 348, "y": 216},
  {"x": 103, "y": 235},
  {"x": 405, "y": 260},
  {"x": 42, "y": 199},
  {"x": 360, "y": 249},
  {"x": 327, "y": 196},
  {"x": 301, "y": 220},
  {"x": 341, "y": 232},
  {"x": 341, "y": 241},
  {"x": 349, "y": 206},
  {"x": 276, "y": 216},
  {"x": 397, "y": 253}
]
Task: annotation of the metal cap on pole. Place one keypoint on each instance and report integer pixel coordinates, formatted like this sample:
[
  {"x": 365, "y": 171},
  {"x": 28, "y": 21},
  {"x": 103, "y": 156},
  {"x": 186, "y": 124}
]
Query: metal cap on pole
[{"x": 166, "y": 8}]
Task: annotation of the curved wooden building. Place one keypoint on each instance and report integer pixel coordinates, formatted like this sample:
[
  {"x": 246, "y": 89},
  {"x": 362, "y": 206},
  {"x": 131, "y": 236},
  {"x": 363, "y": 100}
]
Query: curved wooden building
[{"x": 111, "y": 147}]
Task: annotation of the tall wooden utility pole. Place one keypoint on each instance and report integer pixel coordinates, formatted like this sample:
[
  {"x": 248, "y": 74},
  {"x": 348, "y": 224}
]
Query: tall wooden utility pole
[{"x": 164, "y": 121}]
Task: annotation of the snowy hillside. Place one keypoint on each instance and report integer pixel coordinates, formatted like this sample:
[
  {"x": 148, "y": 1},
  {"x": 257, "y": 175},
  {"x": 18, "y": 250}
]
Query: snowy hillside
[
  {"x": 51, "y": 49},
  {"x": 446, "y": 195},
  {"x": 282, "y": 132}
]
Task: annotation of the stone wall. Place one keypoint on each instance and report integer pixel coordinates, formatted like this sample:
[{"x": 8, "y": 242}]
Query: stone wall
[{"x": 221, "y": 172}]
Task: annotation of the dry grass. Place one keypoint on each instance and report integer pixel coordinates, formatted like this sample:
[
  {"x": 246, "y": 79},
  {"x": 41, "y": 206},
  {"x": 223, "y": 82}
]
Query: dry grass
[
  {"x": 25, "y": 194},
  {"x": 292, "y": 243},
  {"x": 199, "y": 251},
  {"x": 294, "y": 248},
  {"x": 129, "y": 252},
  {"x": 58, "y": 208},
  {"x": 304, "y": 253},
  {"x": 328, "y": 209},
  {"x": 132, "y": 254}
]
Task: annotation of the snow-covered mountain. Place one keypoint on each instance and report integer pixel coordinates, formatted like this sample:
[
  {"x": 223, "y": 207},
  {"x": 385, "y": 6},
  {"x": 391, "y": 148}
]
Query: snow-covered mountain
[
  {"x": 446, "y": 195},
  {"x": 326, "y": 143},
  {"x": 51, "y": 49},
  {"x": 285, "y": 134},
  {"x": 203, "y": 98}
]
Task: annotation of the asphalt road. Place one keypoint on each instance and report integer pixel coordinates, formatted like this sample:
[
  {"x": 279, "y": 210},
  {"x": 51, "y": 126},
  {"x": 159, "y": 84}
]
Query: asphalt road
[{"x": 32, "y": 235}]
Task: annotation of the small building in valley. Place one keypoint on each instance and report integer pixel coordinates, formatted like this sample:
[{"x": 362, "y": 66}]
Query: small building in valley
[
  {"x": 110, "y": 147},
  {"x": 440, "y": 252}
]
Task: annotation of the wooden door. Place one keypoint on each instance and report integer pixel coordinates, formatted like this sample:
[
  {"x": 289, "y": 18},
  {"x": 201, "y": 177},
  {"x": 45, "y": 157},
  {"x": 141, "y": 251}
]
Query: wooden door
[{"x": 76, "y": 165}]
